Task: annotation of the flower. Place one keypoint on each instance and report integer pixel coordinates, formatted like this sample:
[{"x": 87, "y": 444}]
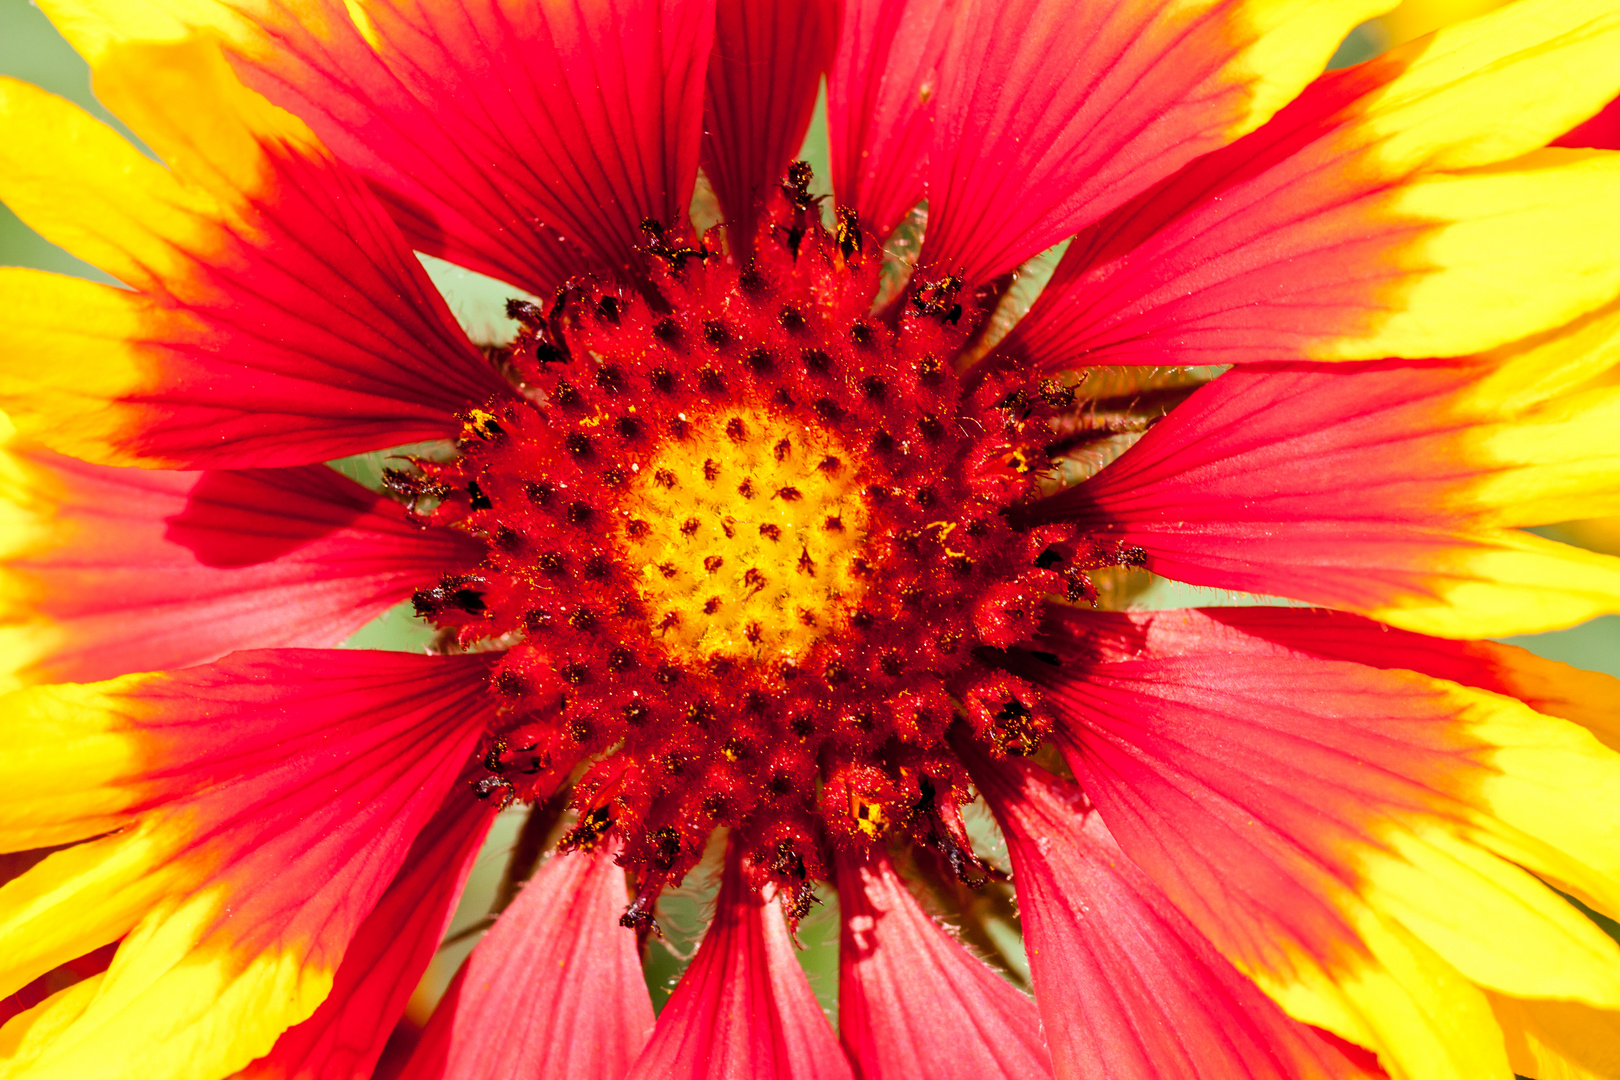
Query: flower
[{"x": 775, "y": 530}]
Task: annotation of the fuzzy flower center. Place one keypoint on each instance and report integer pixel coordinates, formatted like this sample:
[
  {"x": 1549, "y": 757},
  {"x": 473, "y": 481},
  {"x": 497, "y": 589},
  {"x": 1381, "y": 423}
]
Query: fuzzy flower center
[{"x": 741, "y": 538}]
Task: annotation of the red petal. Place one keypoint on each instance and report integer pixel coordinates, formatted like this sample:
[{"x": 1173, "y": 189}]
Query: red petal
[
  {"x": 763, "y": 78},
  {"x": 880, "y": 111},
  {"x": 1589, "y": 698},
  {"x": 525, "y": 140},
  {"x": 554, "y": 989},
  {"x": 1382, "y": 488},
  {"x": 388, "y": 955},
  {"x": 743, "y": 1008},
  {"x": 276, "y": 317},
  {"x": 1602, "y": 132},
  {"x": 123, "y": 569},
  {"x": 262, "y": 806},
  {"x": 1128, "y": 989},
  {"x": 912, "y": 1001},
  {"x": 1052, "y": 114}
]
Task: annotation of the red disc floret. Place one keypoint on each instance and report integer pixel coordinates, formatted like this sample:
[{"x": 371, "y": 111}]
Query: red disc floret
[{"x": 833, "y": 731}]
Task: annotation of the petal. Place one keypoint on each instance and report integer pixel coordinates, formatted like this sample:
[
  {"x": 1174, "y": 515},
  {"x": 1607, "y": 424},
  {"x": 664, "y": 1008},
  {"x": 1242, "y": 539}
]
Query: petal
[
  {"x": 1352, "y": 838},
  {"x": 524, "y": 140},
  {"x": 912, "y": 1001},
  {"x": 1050, "y": 115},
  {"x": 113, "y": 570},
  {"x": 554, "y": 989},
  {"x": 1601, "y": 131},
  {"x": 743, "y": 1008},
  {"x": 1346, "y": 228},
  {"x": 1388, "y": 489},
  {"x": 1589, "y": 698},
  {"x": 764, "y": 74},
  {"x": 880, "y": 104},
  {"x": 262, "y": 805},
  {"x": 1560, "y": 1040},
  {"x": 1128, "y": 989},
  {"x": 389, "y": 952},
  {"x": 276, "y": 317}
]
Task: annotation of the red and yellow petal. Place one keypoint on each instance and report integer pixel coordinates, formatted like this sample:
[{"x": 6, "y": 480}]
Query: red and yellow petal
[
  {"x": 275, "y": 316},
  {"x": 743, "y": 1006},
  {"x": 911, "y": 1000},
  {"x": 112, "y": 570},
  {"x": 1050, "y": 116},
  {"x": 246, "y": 816},
  {"x": 1358, "y": 840},
  {"x": 880, "y": 104},
  {"x": 554, "y": 989},
  {"x": 1127, "y": 987},
  {"x": 764, "y": 74},
  {"x": 388, "y": 954},
  {"x": 1391, "y": 489},
  {"x": 1395, "y": 209},
  {"x": 523, "y": 140}
]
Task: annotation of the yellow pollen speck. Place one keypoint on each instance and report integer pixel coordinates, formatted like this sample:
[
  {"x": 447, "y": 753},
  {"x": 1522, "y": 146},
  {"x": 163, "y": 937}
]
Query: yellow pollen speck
[{"x": 735, "y": 544}]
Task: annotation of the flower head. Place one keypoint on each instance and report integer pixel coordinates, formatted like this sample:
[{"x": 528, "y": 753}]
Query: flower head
[{"x": 797, "y": 532}]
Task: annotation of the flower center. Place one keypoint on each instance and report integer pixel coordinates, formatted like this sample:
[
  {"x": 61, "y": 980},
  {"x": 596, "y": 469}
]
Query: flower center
[
  {"x": 749, "y": 554},
  {"x": 741, "y": 537}
]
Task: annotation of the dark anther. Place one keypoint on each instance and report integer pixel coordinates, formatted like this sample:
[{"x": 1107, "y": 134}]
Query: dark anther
[
  {"x": 667, "y": 675},
  {"x": 613, "y": 476},
  {"x": 492, "y": 760},
  {"x": 610, "y": 379},
  {"x": 835, "y": 673},
  {"x": 780, "y": 783},
  {"x": 565, "y": 395},
  {"x": 1057, "y": 395},
  {"x": 699, "y": 712},
  {"x": 817, "y": 362},
  {"x": 746, "y": 489},
  {"x": 1048, "y": 558},
  {"x": 483, "y": 426},
  {"x": 752, "y": 282},
  {"x": 668, "y": 331},
  {"x": 925, "y": 496},
  {"x": 862, "y": 334},
  {"x": 882, "y": 443},
  {"x": 489, "y": 785},
  {"x": 716, "y": 333},
  {"x": 579, "y": 513},
  {"x": 796, "y": 185},
  {"x": 662, "y": 380},
  {"x": 829, "y": 410},
  {"x": 929, "y": 368},
  {"x": 538, "y": 491},
  {"x": 574, "y": 674},
  {"x": 938, "y": 298},
  {"x": 536, "y": 620},
  {"x": 848, "y": 232},
  {"x": 660, "y": 244},
  {"x": 713, "y": 563},
  {"x": 710, "y": 382},
  {"x": 877, "y": 492},
  {"x": 479, "y": 500},
  {"x": 452, "y": 592},
  {"x": 770, "y": 531},
  {"x": 791, "y": 318},
  {"x": 529, "y": 314},
  {"x": 620, "y": 658},
  {"x": 607, "y": 309},
  {"x": 582, "y": 618},
  {"x": 598, "y": 567},
  {"x": 638, "y": 916},
  {"x": 578, "y": 444},
  {"x": 629, "y": 427},
  {"x": 636, "y": 528},
  {"x": 783, "y": 448},
  {"x": 711, "y": 470},
  {"x": 664, "y": 478},
  {"x": 803, "y": 725},
  {"x": 636, "y": 713},
  {"x": 760, "y": 360},
  {"x": 552, "y": 562},
  {"x": 509, "y": 540},
  {"x": 931, "y": 427},
  {"x": 874, "y": 388},
  {"x": 511, "y": 684},
  {"x": 591, "y": 826},
  {"x": 789, "y": 494},
  {"x": 736, "y": 430},
  {"x": 579, "y": 731}
]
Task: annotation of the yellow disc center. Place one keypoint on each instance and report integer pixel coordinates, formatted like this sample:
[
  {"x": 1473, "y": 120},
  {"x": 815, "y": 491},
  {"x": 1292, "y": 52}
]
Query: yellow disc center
[{"x": 744, "y": 535}]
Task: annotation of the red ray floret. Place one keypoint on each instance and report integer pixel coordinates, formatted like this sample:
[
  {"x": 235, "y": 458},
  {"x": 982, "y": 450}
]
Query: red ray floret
[
  {"x": 1127, "y": 987},
  {"x": 523, "y": 140},
  {"x": 244, "y": 818},
  {"x": 127, "y": 569},
  {"x": 554, "y": 989},
  {"x": 743, "y": 1007},
  {"x": 388, "y": 954},
  {"x": 911, "y": 1000}
]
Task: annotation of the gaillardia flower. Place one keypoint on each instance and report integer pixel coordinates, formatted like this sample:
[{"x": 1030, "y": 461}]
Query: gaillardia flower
[{"x": 782, "y": 535}]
